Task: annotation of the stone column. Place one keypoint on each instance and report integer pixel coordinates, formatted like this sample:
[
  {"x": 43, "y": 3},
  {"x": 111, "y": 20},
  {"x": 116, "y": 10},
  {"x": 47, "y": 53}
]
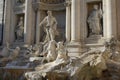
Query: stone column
[
  {"x": 37, "y": 27},
  {"x": 6, "y": 32},
  {"x": 13, "y": 24},
  {"x": 75, "y": 21},
  {"x": 29, "y": 22},
  {"x": 68, "y": 20},
  {"x": 109, "y": 18},
  {"x": 75, "y": 47}
]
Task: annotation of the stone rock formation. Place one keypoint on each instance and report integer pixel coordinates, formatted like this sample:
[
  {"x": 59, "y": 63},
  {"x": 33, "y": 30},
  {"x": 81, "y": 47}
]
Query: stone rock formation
[{"x": 95, "y": 64}]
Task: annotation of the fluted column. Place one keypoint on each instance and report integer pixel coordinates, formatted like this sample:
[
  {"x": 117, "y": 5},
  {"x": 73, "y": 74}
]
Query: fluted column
[
  {"x": 75, "y": 21},
  {"x": 75, "y": 47},
  {"x": 109, "y": 18},
  {"x": 68, "y": 20}
]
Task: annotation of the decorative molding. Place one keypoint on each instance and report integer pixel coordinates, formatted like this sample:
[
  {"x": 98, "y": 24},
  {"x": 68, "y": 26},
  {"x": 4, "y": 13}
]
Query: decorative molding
[
  {"x": 19, "y": 9},
  {"x": 93, "y": 0},
  {"x": 52, "y": 1},
  {"x": 45, "y": 6}
]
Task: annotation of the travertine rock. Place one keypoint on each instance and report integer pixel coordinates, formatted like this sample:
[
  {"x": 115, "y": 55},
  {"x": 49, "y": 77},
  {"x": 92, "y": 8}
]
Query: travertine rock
[
  {"x": 57, "y": 75},
  {"x": 86, "y": 67}
]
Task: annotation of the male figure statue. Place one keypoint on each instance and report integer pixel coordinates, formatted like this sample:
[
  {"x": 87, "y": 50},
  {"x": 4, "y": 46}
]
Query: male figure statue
[{"x": 50, "y": 24}]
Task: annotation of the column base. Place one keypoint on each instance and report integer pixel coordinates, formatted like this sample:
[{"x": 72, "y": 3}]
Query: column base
[{"x": 75, "y": 49}]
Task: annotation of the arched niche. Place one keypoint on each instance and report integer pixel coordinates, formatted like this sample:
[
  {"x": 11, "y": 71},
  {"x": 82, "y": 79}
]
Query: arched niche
[{"x": 59, "y": 12}]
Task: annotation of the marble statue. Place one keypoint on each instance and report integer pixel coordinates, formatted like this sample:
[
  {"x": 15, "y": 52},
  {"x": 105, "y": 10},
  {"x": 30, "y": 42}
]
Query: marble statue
[
  {"x": 5, "y": 50},
  {"x": 51, "y": 51},
  {"x": 61, "y": 60},
  {"x": 86, "y": 67},
  {"x": 62, "y": 54},
  {"x": 13, "y": 54},
  {"x": 19, "y": 30},
  {"x": 94, "y": 21},
  {"x": 56, "y": 54},
  {"x": 35, "y": 50},
  {"x": 50, "y": 26}
]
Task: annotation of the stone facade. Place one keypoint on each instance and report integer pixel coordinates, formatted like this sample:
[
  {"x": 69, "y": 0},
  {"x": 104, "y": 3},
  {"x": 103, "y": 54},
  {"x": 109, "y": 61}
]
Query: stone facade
[
  {"x": 72, "y": 21},
  {"x": 70, "y": 39}
]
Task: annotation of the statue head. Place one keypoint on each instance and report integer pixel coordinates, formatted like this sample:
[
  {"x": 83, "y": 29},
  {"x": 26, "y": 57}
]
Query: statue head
[
  {"x": 49, "y": 13},
  {"x": 17, "y": 48},
  {"x": 60, "y": 45},
  {"x": 21, "y": 18},
  {"x": 95, "y": 6}
]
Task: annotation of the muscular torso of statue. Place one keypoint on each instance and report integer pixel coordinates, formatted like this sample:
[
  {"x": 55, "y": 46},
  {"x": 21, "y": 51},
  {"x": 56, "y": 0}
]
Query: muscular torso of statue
[{"x": 50, "y": 25}]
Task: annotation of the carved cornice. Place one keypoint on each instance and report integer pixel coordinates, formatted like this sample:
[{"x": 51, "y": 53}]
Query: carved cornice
[
  {"x": 19, "y": 9},
  {"x": 45, "y": 6},
  {"x": 52, "y": 1},
  {"x": 92, "y": 0}
]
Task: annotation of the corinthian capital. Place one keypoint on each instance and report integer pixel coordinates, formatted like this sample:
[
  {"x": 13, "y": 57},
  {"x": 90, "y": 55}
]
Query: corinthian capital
[{"x": 67, "y": 3}]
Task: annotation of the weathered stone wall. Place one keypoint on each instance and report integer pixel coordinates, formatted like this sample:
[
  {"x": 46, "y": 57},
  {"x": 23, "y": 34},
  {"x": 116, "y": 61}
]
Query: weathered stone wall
[{"x": 1, "y": 16}]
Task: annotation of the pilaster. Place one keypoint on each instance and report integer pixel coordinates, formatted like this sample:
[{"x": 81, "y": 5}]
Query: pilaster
[
  {"x": 29, "y": 22},
  {"x": 68, "y": 20}
]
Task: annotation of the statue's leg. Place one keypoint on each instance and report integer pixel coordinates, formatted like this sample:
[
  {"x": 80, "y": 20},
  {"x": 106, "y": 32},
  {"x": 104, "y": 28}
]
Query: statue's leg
[
  {"x": 52, "y": 34},
  {"x": 47, "y": 38}
]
